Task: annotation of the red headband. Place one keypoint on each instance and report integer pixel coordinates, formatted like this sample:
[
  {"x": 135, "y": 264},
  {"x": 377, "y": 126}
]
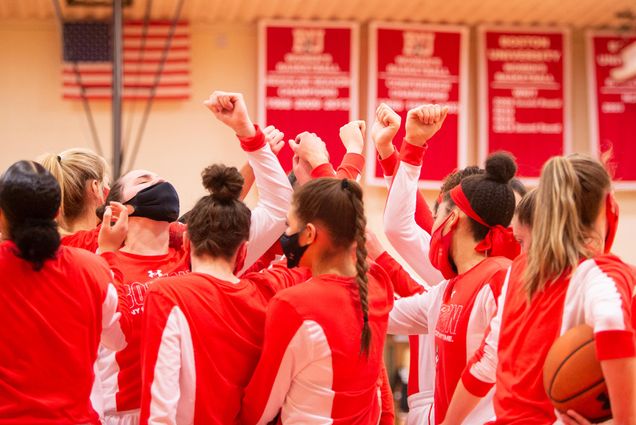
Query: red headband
[
  {"x": 460, "y": 199},
  {"x": 499, "y": 242}
]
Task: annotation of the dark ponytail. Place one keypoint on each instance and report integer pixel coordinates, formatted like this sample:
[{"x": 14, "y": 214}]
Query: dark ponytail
[
  {"x": 361, "y": 265},
  {"x": 338, "y": 206},
  {"x": 30, "y": 200}
]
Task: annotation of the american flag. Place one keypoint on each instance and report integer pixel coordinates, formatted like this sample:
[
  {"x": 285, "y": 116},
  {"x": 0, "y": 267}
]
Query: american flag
[{"x": 88, "y": 47}]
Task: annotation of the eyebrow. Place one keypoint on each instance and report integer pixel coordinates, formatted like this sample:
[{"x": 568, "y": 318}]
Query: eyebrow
[{"x": 144, "y": 176}]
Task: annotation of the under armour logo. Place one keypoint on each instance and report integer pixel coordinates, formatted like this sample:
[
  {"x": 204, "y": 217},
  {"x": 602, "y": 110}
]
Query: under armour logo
[
  {"x": 156, "y": 273},
  {"x": 603, "y": 398}
]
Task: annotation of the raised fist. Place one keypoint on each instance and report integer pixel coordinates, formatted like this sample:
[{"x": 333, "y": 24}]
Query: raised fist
[
  {"x": 230, "y": 109},
  {"x": 310, "y": 148},
  {"x": 423, "y": 122},
  {"x": 385, "y": 127},
  {"x": 352, "y": 136}
]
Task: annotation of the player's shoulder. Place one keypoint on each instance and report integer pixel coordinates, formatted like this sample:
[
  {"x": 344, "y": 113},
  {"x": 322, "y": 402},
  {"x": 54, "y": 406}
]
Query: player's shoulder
[{"x": 606, "y": 266}]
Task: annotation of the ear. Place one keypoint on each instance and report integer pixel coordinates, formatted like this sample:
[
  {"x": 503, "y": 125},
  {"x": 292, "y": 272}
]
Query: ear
[
  {"x": 96, "y": 190},
  {"x": 452, "y": 221},
  {"x": 308, "y": 236}
]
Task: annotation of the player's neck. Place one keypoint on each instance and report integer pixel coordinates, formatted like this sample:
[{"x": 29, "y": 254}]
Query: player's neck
[
  {"x": 147, "y": 237},
  {"x": 465, "y": 256},
  {"x": 87, "y": 221},
  {"x": 219, "y": 268},
  {"x": 341, "y": 264}
]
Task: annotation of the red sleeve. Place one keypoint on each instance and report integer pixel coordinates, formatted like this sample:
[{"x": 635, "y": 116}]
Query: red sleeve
[
  {"x": 390, "y": 163},
  {"x": 278, "y": 277},
  {"x": 156, "y": 312},
  {"x": 85, "y": 239},
  {"x": 254, "y": 143},
  {"x": 611, "y": 296},
  {"x": 281, "y": 324},
  {"x": 177, "y": 230},
  {"x": 403, "y": 284},
  {"x": 387, "y": 416},
  {"x": 414, "y": 155},
  {"x": 123, "y": 303},
  {"x": 351, "y": 166},
  {"x": 323, "y": 170},
  {"x": 266, "y": 259}
]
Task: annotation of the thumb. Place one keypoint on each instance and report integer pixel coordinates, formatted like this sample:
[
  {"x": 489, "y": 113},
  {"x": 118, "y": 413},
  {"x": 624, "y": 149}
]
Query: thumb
[
  {"x": 444, "y": 115},
  {"x": 108, "y": 216},
  {"x": 293, "y": 145}
]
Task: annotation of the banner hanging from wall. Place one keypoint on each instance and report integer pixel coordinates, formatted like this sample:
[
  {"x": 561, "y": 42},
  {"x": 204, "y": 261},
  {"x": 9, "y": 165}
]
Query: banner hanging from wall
[
  {"x": 612, "y": 101},
  {"x": 524, "y": 95},
  {"x": 410, "y": 65},
  {"x": 308, "y": 80}
]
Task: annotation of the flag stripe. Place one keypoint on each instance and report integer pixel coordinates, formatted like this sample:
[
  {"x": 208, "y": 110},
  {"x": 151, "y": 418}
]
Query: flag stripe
[{"x": 143, "y": 54}]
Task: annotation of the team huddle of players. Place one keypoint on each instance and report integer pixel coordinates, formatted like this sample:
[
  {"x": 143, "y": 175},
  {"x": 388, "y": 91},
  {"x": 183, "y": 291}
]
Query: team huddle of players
[{"x": 117, "y": 311}]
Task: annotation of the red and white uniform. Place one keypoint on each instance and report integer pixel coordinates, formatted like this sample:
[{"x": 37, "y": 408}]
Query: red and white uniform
[
  {"x": 121, "y": 372},
  {"x": 407, "y": 225},
  {"x": 52, "y": 323},
  {"x": 350, "y": 168},
  {"x": 598, "y": 294},
  {"x": 458, "y": 312},
  {"x": 311, "y": 369},
  {"x": 201, "y": 341}
]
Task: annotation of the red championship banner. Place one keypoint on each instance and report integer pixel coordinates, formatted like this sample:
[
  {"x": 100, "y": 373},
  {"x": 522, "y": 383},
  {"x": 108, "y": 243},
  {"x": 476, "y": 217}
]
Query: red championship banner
[
  {"x": 612, "y": 91},
  {"x": 410, "y": 65},
  {"x": 308, "y": 80},
  {"x": 524, "y": 95}
]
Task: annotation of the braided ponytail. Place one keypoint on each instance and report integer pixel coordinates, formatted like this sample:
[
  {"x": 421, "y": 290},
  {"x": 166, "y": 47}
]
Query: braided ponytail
[
  {"x": 338, "y": 205},
  {"x": 361, "y": 268}
]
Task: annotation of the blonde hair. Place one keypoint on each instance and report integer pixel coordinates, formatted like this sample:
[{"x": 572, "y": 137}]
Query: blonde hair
[
  {"x": 568, "y": 201},
  {"x": 73, "y": 169}
]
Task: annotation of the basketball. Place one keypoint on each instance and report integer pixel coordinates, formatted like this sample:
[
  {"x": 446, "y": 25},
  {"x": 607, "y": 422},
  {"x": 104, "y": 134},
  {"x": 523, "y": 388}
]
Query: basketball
[{"x": 573, "y": 378}]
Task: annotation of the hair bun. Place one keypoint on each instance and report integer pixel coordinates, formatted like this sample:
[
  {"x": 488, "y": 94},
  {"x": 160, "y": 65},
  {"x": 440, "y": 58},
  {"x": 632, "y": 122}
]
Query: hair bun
[
  {"x": 224, "y": 183},
  {"x": 500, "y": 167}
]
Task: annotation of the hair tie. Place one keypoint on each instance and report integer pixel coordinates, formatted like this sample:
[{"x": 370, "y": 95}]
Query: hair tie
[
  {"x": 344, "y": 184},
  {"x": 59, "y": 159}
]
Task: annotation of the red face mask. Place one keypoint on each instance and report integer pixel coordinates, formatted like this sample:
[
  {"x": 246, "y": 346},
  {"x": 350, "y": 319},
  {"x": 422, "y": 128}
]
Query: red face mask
[
  {"x": 611, "y": 216},
  {"x": 439, "y": 252}
]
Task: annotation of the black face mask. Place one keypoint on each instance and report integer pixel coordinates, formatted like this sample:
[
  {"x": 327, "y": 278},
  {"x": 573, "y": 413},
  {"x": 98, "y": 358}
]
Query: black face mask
[
  {"x": 292, "y": 249},
  {"x": 159, "y": 202}
]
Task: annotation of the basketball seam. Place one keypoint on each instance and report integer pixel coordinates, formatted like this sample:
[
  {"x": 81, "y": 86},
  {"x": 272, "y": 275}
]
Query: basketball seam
[{"x": 563, "y": 362}]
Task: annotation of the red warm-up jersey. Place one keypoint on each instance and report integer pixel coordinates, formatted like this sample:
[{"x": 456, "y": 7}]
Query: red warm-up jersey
[
  {"x": 599, "y": 293},
  {"x": 121, "y": 372},
  {"x": 311, "y": 369},
  {"x": 52, "y": 323},
  {"x": 202, "y": 339}
]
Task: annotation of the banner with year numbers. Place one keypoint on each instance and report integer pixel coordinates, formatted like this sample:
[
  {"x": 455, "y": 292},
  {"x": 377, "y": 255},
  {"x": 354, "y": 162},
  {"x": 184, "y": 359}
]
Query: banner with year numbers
[
  {"x": 308, "y": 80},
  {"x": 411, "y": 65}
]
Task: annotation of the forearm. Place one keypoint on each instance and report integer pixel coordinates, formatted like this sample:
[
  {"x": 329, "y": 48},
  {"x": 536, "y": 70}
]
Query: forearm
[
  {"x": 248, "y": 177},
  {"x": 461, "y": 405},
  {"x": 620, "y": 376},
  {"x": 275, "y": 193}
]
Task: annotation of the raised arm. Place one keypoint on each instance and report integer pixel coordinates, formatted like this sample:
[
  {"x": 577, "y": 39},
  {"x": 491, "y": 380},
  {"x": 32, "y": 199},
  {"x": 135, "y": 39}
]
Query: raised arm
[
  {"x": 385, "y": 127},
  {"x": 410, "y": 240},
  {"x": 274, "y": 138},
  {"x": 275, "y": 191}
]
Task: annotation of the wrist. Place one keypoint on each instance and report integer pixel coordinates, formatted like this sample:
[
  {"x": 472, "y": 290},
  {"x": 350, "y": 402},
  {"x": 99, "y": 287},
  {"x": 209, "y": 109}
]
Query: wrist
[
  {"x": 385, "y": 151},
  {"x": 245, "y": 130},
  {"x": 354, "y": 147},
  {"x": 317, "y": 161}
]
